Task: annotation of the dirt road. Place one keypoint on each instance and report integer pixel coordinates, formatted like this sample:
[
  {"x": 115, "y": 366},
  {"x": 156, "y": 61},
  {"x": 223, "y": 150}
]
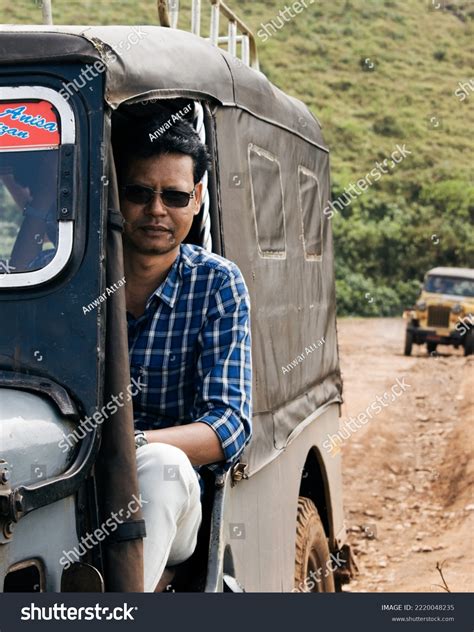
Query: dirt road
[{"x": 408, "y": 471}]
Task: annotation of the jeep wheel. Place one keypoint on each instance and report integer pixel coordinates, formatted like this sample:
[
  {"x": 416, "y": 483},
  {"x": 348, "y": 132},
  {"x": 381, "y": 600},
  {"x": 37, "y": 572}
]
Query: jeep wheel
[
  {"x": 408, "y": 342},
  {"x": 469, "y": 342},
  {"x": 313, "y": 572},
  {"x": 431, "y": 346}
]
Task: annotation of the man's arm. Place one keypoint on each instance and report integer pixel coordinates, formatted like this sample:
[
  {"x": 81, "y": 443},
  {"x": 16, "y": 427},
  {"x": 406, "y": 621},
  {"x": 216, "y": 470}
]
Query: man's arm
[
  {"x": 222, "y": 407},
  {"x": 224, "y": 370},
  {"x": 198, "y": 441}
]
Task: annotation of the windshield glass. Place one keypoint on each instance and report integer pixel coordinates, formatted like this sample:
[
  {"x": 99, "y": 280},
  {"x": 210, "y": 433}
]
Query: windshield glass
[
  {"x": 28, "y": 209},
  {"x": 449, "y": 285},
  {"x": 30, "y": 135}
]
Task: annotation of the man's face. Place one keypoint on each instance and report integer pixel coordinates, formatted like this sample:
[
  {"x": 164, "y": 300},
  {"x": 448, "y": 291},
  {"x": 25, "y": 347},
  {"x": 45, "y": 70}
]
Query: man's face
[{"x": 154, "y": 228}]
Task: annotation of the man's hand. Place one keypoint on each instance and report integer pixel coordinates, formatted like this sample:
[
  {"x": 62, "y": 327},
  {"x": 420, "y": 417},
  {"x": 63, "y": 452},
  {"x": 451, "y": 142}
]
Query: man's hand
[{"x": 197, "y": 440}]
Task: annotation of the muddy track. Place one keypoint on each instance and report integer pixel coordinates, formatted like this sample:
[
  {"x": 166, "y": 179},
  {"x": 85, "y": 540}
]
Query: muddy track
[{"x": 408, "y": 471}]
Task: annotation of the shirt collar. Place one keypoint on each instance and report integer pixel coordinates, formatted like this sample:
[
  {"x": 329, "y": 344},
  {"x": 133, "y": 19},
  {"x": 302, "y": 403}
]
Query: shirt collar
[{"x": 168, "y": 291}]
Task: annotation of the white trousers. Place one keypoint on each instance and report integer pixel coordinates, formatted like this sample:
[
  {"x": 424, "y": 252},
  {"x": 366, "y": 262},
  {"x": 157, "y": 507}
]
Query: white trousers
[{"x": 172, "y": 511}]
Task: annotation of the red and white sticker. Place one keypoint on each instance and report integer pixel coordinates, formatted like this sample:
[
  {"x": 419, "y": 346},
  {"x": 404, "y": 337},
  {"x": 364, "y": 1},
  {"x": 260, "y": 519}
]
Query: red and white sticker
[{"x": 28, "y": 124}]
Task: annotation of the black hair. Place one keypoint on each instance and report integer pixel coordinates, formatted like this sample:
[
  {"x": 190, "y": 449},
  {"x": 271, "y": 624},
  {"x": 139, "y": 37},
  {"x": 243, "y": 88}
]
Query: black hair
[{"x": 164, "y": 133}]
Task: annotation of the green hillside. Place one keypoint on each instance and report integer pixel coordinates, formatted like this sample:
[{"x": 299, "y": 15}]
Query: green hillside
[{"x": 376, "y": 73}]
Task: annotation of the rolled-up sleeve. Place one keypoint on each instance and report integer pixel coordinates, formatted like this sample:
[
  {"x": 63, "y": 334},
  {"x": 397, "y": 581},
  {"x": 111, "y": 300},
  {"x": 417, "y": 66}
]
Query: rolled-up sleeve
[{"x": 224, "y": 368}]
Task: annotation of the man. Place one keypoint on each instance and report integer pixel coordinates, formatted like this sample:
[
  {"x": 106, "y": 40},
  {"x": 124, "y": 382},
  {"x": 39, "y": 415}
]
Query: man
[{"x": 189, "y": 339}]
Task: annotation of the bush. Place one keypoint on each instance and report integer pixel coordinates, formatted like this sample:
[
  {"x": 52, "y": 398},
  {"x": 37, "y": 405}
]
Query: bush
[
  {"x": 387, "y": 126},
  {"x": 385, "y": 244},
  {"x": 357, "y": 295}
]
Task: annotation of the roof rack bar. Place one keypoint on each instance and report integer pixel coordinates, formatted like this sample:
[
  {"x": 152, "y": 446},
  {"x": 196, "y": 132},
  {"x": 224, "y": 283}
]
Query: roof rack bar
[
  {"x": 232, "y": 46},
  {"x": 215, "y": 24},
  {"x": 47, "y": 10},
  {"x": 174, "y": 13},
  {"x": 243, "y": 40},
  {"x": 196, "y": 17},
  {"x": 245, "y": 49},
  {"x": 238, "y": 31},
  {"x": 224, "y": 39},
  {"x": 163, "y": 15},
  {"x": 244, "y": 29}
]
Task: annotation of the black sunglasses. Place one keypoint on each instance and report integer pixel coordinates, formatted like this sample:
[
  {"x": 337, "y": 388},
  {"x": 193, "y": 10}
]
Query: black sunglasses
[{"x": 139, "y": 194}]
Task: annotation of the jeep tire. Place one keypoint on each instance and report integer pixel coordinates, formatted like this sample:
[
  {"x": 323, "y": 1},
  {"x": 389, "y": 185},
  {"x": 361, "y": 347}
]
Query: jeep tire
[
  {"x": 408, "y": 342},
  {"x": 469, "y": 342},
  {"x": 431, "y": 346},
  {"x": 313, "y": 567}
]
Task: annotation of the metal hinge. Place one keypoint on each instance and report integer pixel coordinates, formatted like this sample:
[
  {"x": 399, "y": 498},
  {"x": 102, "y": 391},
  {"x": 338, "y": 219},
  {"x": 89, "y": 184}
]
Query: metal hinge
[
  {"x": 6, "y": 523},
  {"x": 238, "y": 473}
]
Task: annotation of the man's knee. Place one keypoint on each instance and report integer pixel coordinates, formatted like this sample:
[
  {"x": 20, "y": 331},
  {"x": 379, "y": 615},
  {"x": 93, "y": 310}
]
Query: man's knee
[{"x": 167, "y": 468}]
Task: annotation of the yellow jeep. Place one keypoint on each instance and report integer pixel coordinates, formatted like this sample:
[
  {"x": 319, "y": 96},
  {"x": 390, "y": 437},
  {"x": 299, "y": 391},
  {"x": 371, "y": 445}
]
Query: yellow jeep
[{"x": 444, "y": 311}]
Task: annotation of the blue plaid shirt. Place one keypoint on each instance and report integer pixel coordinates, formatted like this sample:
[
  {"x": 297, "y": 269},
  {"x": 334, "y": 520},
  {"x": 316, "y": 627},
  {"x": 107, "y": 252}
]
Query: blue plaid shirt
[{"x": 191, "y": 351}]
